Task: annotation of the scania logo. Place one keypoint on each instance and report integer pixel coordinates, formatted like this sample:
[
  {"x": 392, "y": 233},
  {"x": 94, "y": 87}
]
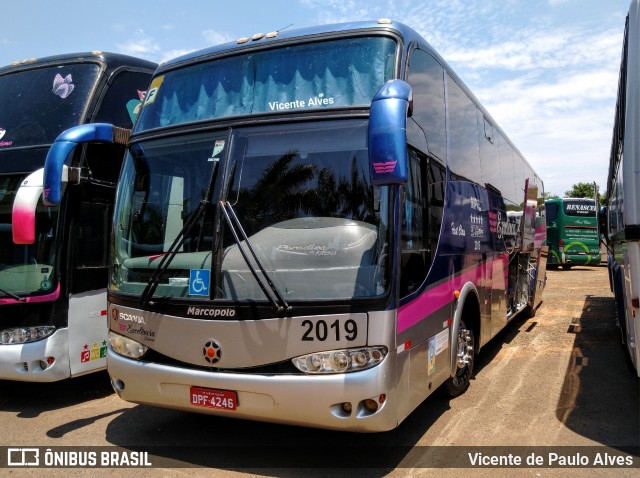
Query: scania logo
[
  {"x": 114, "y": 313},
  {"x": 212, "y": 351}
]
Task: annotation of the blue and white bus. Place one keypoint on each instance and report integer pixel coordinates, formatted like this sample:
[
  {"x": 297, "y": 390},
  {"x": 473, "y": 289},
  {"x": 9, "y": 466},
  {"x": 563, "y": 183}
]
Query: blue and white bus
[
  {"x": 54, "y": 260},
  {"x": 318, "y": 227}
]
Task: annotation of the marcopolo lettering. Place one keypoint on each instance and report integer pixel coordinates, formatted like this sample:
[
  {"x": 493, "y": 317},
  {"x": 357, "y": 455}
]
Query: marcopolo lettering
[{"x": 209, "y": 312}]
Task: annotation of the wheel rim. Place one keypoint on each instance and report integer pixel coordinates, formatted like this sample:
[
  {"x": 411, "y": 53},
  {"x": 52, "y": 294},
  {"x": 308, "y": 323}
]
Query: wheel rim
[{"x": 465, "y": 351}]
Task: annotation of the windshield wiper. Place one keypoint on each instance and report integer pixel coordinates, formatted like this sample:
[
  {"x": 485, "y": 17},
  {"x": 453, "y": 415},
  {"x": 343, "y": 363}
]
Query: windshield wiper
[
  {"x": 168, "y": 256},
  {"x": 177, "y": 243},
  {"x": 12, "y": 295},
  {"x": 276, "y": 298}
]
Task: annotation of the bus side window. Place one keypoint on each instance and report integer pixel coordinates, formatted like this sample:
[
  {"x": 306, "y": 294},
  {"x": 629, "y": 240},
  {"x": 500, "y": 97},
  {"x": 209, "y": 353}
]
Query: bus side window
[
  {"x": 436, "y": 202},
  {"x": 489, "y": 156},
  {"x": 122, "y": 100},
  {"x": 426, "y": 77},
  {"x": 552, "y": 211},
  {"x": 464, "y": 150},
  {"x": 415, "y": 255},
  {"x": 89, "y": 247}
]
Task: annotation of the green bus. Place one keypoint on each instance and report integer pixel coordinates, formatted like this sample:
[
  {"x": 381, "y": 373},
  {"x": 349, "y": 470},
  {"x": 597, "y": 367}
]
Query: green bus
[{"x": 572, "y": 232}]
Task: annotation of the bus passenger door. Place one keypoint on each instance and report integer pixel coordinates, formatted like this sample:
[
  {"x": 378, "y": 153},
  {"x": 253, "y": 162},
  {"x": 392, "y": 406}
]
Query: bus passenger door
[{"x": 88, "y": 268}]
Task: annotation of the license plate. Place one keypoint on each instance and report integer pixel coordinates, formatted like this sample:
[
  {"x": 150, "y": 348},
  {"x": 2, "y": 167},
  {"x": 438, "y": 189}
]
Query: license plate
[{"x": 212, "y": 398}]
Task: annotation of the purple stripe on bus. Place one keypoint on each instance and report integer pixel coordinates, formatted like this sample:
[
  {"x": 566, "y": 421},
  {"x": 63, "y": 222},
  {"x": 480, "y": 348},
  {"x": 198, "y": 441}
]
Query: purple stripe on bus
[{"x": 443, "y": 294}]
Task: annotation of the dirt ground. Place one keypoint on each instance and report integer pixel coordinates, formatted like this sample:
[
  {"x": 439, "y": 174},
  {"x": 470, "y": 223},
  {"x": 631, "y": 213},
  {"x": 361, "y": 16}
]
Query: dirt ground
[{"x": 557, "y": 382}]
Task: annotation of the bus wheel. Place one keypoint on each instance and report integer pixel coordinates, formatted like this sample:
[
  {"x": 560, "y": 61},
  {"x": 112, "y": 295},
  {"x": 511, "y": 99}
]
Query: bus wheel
[
  {"x": 566, "y": 267},
  {"x": 459, "y": 383}
]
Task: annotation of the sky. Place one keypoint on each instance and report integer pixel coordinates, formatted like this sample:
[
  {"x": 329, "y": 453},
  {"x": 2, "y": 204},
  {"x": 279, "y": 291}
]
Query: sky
[{"x": 546, "y": 70}]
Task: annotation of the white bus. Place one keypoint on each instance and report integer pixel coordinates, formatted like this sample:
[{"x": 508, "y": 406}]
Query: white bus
[
  {"x": 623, "y": 191},
  {"x": 54, "y": 260},
  {"x": 317, "y": 227}
]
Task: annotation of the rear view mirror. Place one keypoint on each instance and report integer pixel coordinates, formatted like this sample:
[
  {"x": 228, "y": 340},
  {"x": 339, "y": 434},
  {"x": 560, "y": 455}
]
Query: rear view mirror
[{"x": 390, "y": 108}]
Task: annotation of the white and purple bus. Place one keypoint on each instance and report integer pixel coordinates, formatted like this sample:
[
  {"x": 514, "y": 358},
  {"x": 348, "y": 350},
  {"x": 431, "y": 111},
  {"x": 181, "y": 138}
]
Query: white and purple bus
[
  {"x": 318, "y": 227},
  {"x": 54, "y": 259}
]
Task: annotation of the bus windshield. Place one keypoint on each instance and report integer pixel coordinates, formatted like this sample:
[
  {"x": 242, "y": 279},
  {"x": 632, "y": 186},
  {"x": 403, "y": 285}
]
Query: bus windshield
[
  {"x": 330, "y": 74},
  {"x": 303, "y": 198},
  {"x": 38, "y": 104},
  {"x": 26, "y": 269}
]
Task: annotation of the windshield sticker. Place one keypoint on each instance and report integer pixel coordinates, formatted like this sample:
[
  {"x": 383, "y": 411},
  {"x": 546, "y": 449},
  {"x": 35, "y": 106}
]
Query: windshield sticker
[
  {"x": 199, "y": 282},
  {"x": 4, "y": 143},
  {"x": 218, "y": 147},
  {"x": 62, "y": 87},
  {"x": 134, "y": 106},
  {"x": 314, "y": 101},
  {"x": 152, "y": 93}
]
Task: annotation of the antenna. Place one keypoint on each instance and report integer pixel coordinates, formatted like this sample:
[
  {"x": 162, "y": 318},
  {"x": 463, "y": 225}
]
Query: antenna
[{"x": 284, "y": 28}]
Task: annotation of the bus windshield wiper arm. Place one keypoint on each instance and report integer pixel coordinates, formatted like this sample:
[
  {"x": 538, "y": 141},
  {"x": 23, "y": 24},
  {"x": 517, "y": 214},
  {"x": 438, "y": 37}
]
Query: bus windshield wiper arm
[
  {"x": 168, "y": 256},
  {"x": 12, "y": 295},
  {"x": 177, "y": 243},
  {"x": 278, "y": 302}
]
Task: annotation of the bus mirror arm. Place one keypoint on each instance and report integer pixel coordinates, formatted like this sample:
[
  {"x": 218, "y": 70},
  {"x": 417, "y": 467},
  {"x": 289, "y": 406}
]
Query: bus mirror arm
[{"x": 61, "y": 153}]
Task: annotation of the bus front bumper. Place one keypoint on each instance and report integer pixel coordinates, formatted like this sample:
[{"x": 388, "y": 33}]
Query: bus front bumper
[
  {"x": 46, "y": 360},
  {"x": 302, "y": 400}
]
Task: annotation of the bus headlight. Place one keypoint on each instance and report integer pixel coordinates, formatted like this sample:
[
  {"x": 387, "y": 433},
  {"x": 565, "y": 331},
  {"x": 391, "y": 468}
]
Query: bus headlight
[
  {"x": 337, "y": 361},
  {"x": 23, "y": 335},
  {"x": 125, "y": 346}
]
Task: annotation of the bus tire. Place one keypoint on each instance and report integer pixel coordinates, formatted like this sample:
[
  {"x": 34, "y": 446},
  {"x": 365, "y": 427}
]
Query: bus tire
[
  {"x": 566, "y": 267},
  {"x": 459, "y": 383}
]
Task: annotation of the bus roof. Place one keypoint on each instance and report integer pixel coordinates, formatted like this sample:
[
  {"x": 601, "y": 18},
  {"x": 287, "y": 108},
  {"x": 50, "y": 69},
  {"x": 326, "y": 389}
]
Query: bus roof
[
  {"x": 569, "y": 199},
  {"x": 259, "y": 39},
  {"x": 111, "y": 60}
]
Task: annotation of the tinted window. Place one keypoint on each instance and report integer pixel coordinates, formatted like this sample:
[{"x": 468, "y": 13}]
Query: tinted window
[
  {"x": 415, "y": 244},
  {"x": 552, "y": 211},
  {"x": 426, "y": 78},
  {"x": 122, "y": 101},
  {"x": 489, "y": 157},
  {"x": 464, "y": 157},
  {"x": 338, "y": 73},
  {"x": 507, "y": 155},
  {"x": 37, "y": 105}
]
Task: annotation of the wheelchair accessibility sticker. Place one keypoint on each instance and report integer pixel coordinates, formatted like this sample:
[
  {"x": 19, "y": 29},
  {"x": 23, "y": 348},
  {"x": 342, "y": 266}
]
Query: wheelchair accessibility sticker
[{"x": 199, "y": 282}]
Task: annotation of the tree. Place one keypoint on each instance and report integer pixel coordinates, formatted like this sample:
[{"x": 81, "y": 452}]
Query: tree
[
  {"x": 581, "y": 190},
  {"x": 546, "y": 196}
]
